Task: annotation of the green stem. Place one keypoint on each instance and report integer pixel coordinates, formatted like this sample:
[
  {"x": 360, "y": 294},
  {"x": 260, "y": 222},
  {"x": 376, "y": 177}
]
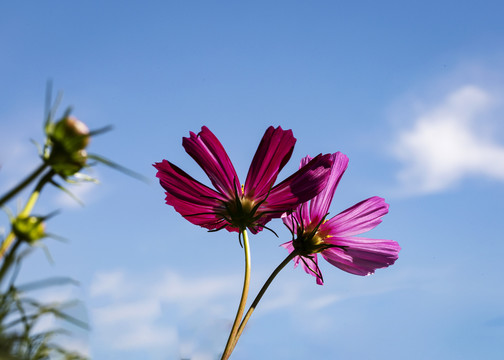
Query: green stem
[
  {"x": 35, "y": 194},
  {"x": 6, "y": 243},
  {"x": 23, "y": 184},
  {"x": 243, "y": 301},
  {"x": 9, "y": 259},
  {"x": 261, "y": 293}
]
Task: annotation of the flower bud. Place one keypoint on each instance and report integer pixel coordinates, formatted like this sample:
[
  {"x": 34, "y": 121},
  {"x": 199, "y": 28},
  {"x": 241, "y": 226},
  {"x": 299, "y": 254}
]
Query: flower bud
[
  {"x": 71, "y": 133},
  {"x": 29, "y": 229},
  {"x": 69, "y": 138}
]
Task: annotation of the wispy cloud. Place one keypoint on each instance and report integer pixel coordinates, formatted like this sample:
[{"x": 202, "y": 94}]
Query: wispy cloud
[
  {"x": 193, "y": 314},
  {"x": 449, "y": 141},
  {"x": 148, "y": 310}
]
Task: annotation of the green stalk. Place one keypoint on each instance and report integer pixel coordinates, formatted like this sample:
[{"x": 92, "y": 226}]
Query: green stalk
[
  {"x": 36, "y": 192},
  {"x": 9, "y": 260},
  {"x": 260, "y": 295},
  {"x": 243, "y": 301},
  {"x": 23, "y": 184}
]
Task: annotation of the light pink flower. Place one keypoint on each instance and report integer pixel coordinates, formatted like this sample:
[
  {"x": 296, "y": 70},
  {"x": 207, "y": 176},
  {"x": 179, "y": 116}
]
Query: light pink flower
[{"x": 335, "y": 238}]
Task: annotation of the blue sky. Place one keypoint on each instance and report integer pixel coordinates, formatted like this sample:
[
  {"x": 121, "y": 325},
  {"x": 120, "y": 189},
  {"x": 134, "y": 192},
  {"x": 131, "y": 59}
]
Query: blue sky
[{"x": 411, "y": 91}]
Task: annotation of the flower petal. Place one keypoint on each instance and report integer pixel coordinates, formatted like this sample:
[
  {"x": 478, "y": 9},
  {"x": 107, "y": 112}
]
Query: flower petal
[
  {"x": 194, "y": 201},
  {"x": 361, "y": 256},
  {"x": 209, "y": 153},
  {"x": 309, "y": 263},
  {"x": 357, "y": 219},
  {"x": 273, "y": 152},
  {"x": 292, "y": 220},
  {"x": 298, "y": 188},
  {"x": 319, "y": 205}
]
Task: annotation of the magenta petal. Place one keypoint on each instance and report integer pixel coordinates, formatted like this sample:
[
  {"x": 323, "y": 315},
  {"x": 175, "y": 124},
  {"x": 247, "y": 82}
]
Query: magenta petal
[
  {"x": 209, "y": 153},
  {"x": 319, "y": 206},
  {"x": 298, "y": 188},
  {"x": 196, "y": 202},
  {"x": 361, "y": 256},
  {"x": 273, "y": 152},
  {"x": 289, "y": 246},
  {"x": 310, "y": 266},
  {"x": 292, "y": 220},
  {"x": 309, "y": 263},
  {"x": 361, "y": 217}
]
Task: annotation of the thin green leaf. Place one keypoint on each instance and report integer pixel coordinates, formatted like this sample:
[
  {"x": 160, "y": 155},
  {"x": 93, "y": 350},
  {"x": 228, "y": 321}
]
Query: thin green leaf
[{"x": 118, "y": 167}]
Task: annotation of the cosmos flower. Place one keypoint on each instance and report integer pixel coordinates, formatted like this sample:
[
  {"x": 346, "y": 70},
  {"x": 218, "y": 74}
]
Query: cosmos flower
[
  {"x": 232, "y": 206},
  {"x": 335, "y": 238}
]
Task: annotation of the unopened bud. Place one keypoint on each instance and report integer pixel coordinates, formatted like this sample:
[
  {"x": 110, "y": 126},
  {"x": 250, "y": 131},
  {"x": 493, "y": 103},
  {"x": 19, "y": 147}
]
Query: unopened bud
[
  {"x": 29, "y": 229},
  {"x": 70, "y": 133},
  {"x": 69, "y": 138}
]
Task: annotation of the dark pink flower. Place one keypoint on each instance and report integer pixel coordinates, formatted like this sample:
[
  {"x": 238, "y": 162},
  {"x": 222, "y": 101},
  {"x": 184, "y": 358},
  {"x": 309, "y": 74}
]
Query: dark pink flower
[
  {"x": 231, "y": 205},
  {"x": 335, "y": 238}
]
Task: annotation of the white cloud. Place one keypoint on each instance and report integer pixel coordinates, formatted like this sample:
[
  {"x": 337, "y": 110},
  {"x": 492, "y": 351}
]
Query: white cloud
[
  {"x": 148, "y": 310},
  {"x": 448, "y": 142},
  {"x": 192, "y": 315},
  {"x": 145, "y": 336},
  {"x": 142, "y": 310},
  {"x": 109, "y": 283}
]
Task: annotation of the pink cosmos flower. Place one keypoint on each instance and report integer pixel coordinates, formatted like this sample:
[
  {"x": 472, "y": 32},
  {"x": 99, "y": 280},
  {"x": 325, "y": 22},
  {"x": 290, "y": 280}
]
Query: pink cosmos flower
[
  {"x": 334, "y": 238},
  {"x": 232, "y": 206}
]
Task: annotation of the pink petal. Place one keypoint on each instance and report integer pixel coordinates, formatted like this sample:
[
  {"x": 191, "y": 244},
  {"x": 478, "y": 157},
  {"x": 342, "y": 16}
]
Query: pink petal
[
  {"x": 193, "y": 200},
  {"x": 357, "y": 219},
  {"x": 361, "y": 256},
  {"x": 292, "y": 220},
  {"x": 309, "y": 263},
  {"x": 310, "y": 266},
  {"x": 289, "y": 246},
  {"x": 209, "y": 153},
  {"x": 319, "y": 205},
  {"x": 299, "y": 187},
  {"x": 273, "y": 152}
]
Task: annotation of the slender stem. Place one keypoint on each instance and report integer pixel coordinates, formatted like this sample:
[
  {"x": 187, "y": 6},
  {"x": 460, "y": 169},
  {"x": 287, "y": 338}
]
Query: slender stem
[
  {"x": 9, "y": 259},
  {"x": 6, "y": 243},
  {"x": 23, "y": 184},
  {"x": 261, "y": 293},
  {"x": 243, "y": 301},
  {"x": 36, "y": 192}
]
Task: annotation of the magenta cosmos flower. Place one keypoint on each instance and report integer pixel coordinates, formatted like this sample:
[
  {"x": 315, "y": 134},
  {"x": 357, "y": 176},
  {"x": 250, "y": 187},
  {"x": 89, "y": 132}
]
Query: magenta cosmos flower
[
  {"x": 334, "y": 238},
  {"x": 232, "y": 206}
]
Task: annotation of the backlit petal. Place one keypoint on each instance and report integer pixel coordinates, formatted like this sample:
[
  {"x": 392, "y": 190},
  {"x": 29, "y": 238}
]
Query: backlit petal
[
  {"x": 299, "y": 187},
  {"x": 361, "y": 256},
  {"x": 319, "y": 205},
  {"x": 361, "y": 217},
  {"x": 209, "y": 153},
  {"x": 292, "y": 220},
  {"x": 309, "y": 263},
  {"x": 273, "y": 152},
  {"x": 196, "y": 202}
]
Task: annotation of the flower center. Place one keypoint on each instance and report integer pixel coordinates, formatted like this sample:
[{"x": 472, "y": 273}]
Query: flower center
[
  {"x": 309, "y": 242},
  {"x": 241, "y": 212}
]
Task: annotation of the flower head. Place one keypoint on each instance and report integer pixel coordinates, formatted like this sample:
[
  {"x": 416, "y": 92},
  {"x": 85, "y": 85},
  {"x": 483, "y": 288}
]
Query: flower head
[
  {"x": 334, "y": 238},
  {"x": 232, "y": 206}
]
